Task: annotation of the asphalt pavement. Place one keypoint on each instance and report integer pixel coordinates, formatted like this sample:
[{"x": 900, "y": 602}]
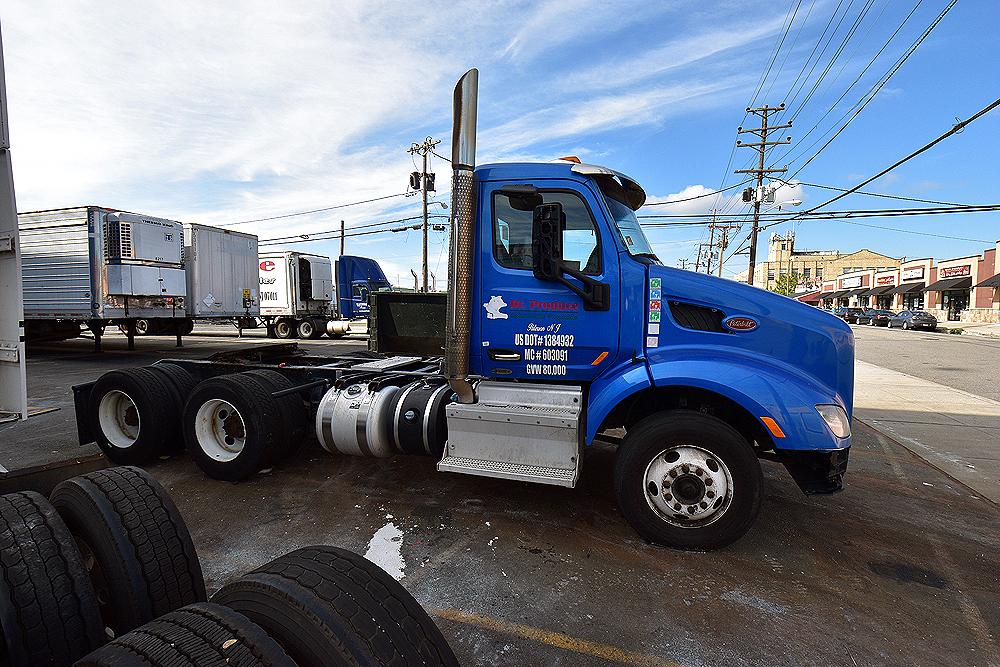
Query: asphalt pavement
[
  {"x": 967, "y": 362},
  {"x": 901, "y": 568}
]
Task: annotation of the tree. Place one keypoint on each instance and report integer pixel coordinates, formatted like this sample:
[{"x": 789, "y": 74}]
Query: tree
[{"x": 786, "y": 284}]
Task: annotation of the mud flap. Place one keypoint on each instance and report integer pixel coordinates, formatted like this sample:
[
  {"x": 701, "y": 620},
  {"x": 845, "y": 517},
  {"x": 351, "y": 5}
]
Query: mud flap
[{"x": 81, "y": 401}]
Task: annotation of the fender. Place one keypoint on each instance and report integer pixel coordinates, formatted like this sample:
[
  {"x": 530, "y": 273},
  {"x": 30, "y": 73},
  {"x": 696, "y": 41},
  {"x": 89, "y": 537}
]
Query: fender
[{"x": 760, "y": 386}]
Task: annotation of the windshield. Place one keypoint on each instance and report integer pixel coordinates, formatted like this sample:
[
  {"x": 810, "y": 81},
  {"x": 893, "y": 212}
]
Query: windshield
[{"x": 628, "y": 226}]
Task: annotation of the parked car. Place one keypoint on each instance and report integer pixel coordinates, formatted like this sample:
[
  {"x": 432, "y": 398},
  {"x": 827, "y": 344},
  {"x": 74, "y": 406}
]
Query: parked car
[
  {"x": 875, "y": 318},
  {"x": 849, "y": 315},
  {"x": 913, "y": 319}
]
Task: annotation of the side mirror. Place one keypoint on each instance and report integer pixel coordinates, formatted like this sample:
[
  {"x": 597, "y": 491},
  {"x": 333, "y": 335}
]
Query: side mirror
[
  {"x": 546, "y": 241},
  {"x": 547, "y": 226}
]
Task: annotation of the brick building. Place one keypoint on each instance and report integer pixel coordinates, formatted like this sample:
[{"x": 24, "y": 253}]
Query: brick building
[{"x": 813, "y": 267}]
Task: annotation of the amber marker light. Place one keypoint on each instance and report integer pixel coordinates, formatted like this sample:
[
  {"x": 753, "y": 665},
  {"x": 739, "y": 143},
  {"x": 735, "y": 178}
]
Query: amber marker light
[{"x": 773, "y": 427}]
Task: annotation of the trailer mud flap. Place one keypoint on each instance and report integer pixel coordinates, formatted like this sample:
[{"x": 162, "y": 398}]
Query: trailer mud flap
[{"x": 81, "y": 403}]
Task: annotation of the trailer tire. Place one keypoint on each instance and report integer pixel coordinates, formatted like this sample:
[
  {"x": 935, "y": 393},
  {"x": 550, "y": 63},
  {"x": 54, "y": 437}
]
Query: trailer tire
[
  {"x": 133, "y": 416},
  {"x": 715, "y": 481},
  {"x": 48, "y": 608},
  {"x": 327, "y": 605},
  {"x": 141, "y": 559},
  {"x": 204, "y": 634},
  {"x": 293, "y": 409},
  {"x": 284, "y": 329},
  {"x": 309, "y": 329},
  {"x": 233, "y": 428}
]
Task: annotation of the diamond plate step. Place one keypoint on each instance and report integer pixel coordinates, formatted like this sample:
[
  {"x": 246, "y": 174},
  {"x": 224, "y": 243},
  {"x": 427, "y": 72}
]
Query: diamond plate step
[{"x": 507, "y": 470}]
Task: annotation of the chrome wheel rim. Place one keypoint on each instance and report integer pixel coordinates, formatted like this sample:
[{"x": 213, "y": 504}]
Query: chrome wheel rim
[
  {"x": 118, "y": 416},
  {"x": 220, "y": 430},
  {"x": 688, "y": 487}
]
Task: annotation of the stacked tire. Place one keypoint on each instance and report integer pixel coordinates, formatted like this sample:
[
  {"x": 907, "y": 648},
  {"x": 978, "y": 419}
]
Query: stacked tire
[
  {"x": 106, "y": 575},
  {"x": 106, "y": 554}
]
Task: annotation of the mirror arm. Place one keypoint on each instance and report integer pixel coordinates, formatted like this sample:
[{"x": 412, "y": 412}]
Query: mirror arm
[{"x": 590, "y": 293}]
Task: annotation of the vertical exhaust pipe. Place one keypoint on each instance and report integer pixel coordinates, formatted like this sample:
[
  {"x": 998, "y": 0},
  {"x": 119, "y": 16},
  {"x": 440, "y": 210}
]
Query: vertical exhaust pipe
[{"x": 463, "y": 234}]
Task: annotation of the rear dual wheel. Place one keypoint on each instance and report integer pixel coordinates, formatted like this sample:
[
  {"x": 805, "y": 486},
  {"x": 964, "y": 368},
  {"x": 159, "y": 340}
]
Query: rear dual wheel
[
  {"x": 687, "y": 480},
  {"x": 234, "y": 427}
]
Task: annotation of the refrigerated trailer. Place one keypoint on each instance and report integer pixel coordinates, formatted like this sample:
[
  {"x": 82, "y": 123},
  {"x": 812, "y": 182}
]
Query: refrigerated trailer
[
  {"x": 563, "y": 329},
  {"x": 90, "y": 266},
  {"x": 304, "y": 295}
]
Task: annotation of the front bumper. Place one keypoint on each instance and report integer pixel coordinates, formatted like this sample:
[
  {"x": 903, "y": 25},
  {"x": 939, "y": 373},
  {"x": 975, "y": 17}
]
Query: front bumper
[{"x": 816, "y": 471}]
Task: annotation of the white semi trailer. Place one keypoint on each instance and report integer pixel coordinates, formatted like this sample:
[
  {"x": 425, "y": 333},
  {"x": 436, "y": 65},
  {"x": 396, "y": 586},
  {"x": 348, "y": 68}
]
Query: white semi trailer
[
  {"x": 296, "y": 294},
  {"x": 93, "y": 266}
]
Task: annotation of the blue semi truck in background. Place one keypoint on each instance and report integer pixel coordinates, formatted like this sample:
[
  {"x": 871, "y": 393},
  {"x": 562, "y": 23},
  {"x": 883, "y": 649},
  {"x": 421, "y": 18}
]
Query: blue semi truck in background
[{"x": 562, "y": 330}]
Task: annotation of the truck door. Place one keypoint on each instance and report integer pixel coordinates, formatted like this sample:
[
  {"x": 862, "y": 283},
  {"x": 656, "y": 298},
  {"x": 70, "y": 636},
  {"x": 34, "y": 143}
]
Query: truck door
[{"x": 534, "y": 329}]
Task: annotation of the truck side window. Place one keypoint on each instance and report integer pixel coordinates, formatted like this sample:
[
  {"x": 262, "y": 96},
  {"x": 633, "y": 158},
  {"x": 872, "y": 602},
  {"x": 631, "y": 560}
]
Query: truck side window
[{"x": 512, "y": 233}]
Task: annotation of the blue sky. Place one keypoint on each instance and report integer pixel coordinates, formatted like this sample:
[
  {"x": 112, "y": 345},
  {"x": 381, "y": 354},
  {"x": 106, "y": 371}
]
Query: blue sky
[{"x": 211, "y": 114}]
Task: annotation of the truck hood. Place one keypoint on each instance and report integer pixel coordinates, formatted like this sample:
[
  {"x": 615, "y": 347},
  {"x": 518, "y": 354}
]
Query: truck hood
[{"x": 724, "y": 316}]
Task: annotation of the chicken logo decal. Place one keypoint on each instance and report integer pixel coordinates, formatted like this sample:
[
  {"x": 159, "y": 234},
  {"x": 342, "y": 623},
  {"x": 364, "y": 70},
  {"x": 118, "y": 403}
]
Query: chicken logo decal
[{"x": 493, "y": 307}]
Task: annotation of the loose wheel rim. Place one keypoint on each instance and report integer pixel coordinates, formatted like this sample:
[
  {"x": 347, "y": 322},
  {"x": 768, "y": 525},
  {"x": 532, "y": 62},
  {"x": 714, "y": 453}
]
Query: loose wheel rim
[
  {"x": 220, "y": 430},
  {"x": 119, "y": 419},
  {"x": 688, "y": 487}
]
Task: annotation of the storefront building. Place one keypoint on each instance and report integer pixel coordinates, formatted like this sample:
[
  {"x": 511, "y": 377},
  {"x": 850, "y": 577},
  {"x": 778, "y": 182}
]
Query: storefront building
[
  {"x": 986, "y": 289},
  {"x": 908, "y": 294},
  {"x": 950, "y": 292},
  {"x": 878, "y": 296},
  {"x": 851, "y": 289}
]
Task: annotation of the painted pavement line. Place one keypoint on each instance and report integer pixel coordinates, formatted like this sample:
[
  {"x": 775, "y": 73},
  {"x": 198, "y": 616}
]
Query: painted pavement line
[{"x": 554, "y": 639}]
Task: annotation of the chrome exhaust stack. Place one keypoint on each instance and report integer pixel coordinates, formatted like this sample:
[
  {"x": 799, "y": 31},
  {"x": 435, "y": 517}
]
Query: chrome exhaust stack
[{"x": 463, "y": 235}]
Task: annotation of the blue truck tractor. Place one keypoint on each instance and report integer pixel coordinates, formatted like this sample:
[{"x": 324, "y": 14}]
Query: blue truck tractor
[{"x": 563, "y": 329}]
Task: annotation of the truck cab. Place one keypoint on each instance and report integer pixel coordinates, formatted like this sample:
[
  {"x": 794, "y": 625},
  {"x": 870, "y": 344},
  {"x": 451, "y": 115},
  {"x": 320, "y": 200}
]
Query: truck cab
[{"x": 575, "y": 323}]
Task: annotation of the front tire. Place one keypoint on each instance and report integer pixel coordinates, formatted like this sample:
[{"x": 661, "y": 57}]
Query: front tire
[{"x": 687, "y": 480}]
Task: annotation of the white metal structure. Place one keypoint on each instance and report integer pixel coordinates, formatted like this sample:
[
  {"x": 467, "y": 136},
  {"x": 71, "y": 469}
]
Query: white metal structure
[
  {"x": 13, "y": 386},
  {"x": 222, "y": 272}
]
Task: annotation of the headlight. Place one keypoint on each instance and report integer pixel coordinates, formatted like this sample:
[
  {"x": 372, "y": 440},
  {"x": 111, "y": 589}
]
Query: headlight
[{"x": 836, "y": 419}]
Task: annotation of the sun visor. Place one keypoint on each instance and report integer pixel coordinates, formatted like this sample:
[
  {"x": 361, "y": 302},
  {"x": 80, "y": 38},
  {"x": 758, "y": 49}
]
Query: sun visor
[{"x": 631, "y": 192}]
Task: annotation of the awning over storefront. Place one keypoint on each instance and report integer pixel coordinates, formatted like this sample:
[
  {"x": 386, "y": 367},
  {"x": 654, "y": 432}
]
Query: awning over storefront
[
  {"x": 991, "y": 282},
  {"x": 948, "y": 284},
  {"x": 809, "y": 297},
  {"x": 854, "y": 292},
  {"x": 906, "y": 288},
  {"x": 837, "y": 294},
  {"x": 877, "y": 291}
]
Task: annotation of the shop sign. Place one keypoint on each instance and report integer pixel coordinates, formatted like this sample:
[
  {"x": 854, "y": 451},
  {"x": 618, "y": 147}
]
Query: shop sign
[
  {"x": 913, "y": 274},
  {"x": 850, "y": 283},
  {"x": 885, "y": 280},
  {"x": 955, "y": 271}
]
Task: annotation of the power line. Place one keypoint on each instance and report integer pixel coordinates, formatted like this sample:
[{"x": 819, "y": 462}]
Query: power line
[
  {"x": 879, "y": 85},
  {"x": 705, "y": 219},
  {"x": 707, "y": 194},
  {"x": 332, "y": 235},
  {"x": 316, "y": 210},
  {"x": 958, "y": 127},
  {"x": 885, "y": 196},
  {"x": 353, "y": 227}
]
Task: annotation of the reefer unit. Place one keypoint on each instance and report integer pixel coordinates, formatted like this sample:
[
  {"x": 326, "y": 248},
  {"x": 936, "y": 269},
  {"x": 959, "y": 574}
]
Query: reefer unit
[
  {"x": 295, "y": 284},
  {"x": 93, "y": 263},
  {"x": 222, "y": 268}
]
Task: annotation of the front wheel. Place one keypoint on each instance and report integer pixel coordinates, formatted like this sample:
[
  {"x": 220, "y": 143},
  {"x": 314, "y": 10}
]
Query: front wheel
[{"x": 687, "y": 480}]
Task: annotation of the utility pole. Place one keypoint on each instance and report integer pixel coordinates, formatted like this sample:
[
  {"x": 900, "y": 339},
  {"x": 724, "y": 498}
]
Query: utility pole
[
  {"x": 683, "y": 262},
  {"x": 341, "y": 238},
  {"x": 761, "y": 146},
  {"x": 711, "y": 243},
  {"x": 723, "y": 243},
  {"x": 426, "y": 183}
]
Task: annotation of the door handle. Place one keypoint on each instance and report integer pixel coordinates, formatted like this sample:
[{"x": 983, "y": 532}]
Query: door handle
[{"x": 504, "y": 355}]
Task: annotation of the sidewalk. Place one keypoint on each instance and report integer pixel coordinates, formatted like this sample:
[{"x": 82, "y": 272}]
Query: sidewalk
[
  {"x": 977, "y": 328},
  {"x": 955, "y": 431}
]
